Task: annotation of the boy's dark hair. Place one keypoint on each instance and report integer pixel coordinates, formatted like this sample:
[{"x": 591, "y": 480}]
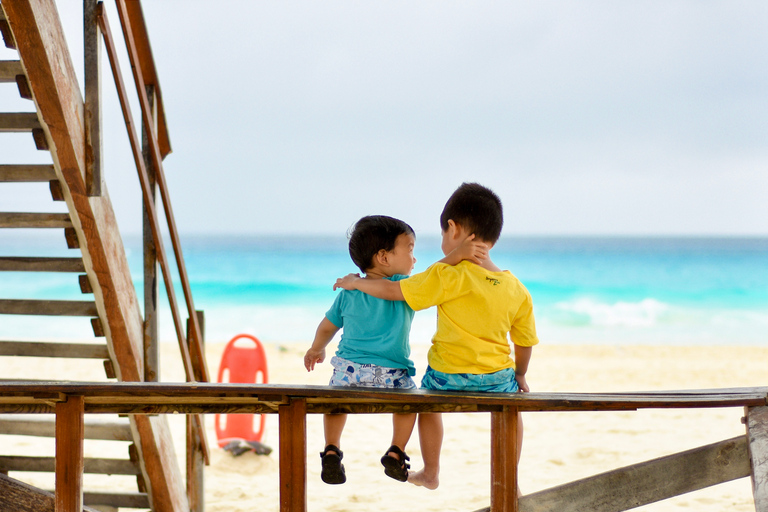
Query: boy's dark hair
[
  {"x": 477, "y": 209},
  {"x": 373, "y": 233}
]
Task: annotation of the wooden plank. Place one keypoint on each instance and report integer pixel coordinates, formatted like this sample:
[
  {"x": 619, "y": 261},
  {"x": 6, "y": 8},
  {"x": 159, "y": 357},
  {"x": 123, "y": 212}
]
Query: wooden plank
[
  {"x": 53, "y": 349},
  {"x": 38, "y": 264},
  {"x": 647, "y": 482},
  {"x": 293, "y": 456},
  {"x": 19, "y": 220},
  {"x": 48, "y": 465},
  {"x": 504, "y": 456},
  {"x": 27, "y": 173},
  {"x": 9, "y": 69},
  {"x": 43, "y": 427},
  {"x": 7, "y": 35},
  {"x": 18, "y": 122},
  {"x": 757, "y": 432},
  {"x": 94, "y": 180},
  {"x": 117, "y": 500},
  {"x": 47, "y": 307},
  {"x": 69, "y": 454},
  {"x": 21, "y": 497}
]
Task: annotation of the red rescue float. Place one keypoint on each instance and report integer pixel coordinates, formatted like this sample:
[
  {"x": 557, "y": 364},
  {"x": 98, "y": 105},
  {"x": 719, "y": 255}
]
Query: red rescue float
[{"x": 243, "y": 361}]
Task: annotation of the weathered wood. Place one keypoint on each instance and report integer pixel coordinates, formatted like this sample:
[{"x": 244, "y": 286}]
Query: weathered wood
[
  {"x": 94, "y": 180},
  {"x": 47, "y": 307},
  {"x": 5, "y": 31},
  {"x": 18, "y": 496},
  {"x": 70, "y": 428},
  {"x": 53, "y": 349},
  {"x": 195, "y": 468},
  {"x": 757, "y": 432},
  {"x": 23, "y": 220},
  {"x": 23, "y": 85},
  {"x": 57, "y": 191},
  {"x": 151, "y": 284},
  {"x": 117, "y": 499},
  {"x": 293, "y": 456},
  {"x": 9, "y": 69},
  {"x": 48, "y": 465},
  {"x": 43, "y": 427},
  {"x": 11, "y": 122},
  {"x": 37, "y": 264},
  {"x": 504, "y": 456},
  {"x": 647, "y": 482},
  {"x": 27, "y": 173}
]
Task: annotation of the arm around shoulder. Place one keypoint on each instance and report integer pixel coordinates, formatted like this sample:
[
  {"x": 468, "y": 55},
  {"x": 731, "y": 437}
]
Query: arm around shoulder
[{"x": 379, "y": 288}]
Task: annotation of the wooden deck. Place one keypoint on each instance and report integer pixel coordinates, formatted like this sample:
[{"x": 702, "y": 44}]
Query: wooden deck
[{"x": 727, "y": 460}]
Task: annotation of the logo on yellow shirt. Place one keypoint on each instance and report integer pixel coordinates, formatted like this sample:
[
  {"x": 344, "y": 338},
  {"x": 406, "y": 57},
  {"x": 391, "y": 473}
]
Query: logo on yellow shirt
[{"x": 493, "y": 281}]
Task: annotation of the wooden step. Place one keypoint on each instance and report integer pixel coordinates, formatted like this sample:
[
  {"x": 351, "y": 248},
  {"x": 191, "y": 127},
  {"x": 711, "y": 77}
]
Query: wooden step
[
  {"x": 117, "y": 500},
  {"x": 53, "y": 349},
  {"x": 48, "y": 307},
  {"x": 27, "y": 173},
  {"x": 48, "y": 465},
  {"x": 5, "y": 31},
  {"x": 39, "y": 264},
  {"x": 34, "y": 220},
  {"x": 19, "y": 425},
  {"x": 19, "y": 121},
  {"x": 9, "y": 69}
]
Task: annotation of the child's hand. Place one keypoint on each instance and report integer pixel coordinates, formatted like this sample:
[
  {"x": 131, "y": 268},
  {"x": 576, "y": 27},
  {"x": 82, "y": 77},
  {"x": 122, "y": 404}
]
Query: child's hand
[
  {"x": 522, "y": 383},
  {"x": 347, "y": 282},
  {"x": 470, "y": 249},
  {"x": 312, "y": 357}
]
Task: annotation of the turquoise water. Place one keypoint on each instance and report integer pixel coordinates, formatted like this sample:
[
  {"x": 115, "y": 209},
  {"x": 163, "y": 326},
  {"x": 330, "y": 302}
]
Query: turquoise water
[{"x": 685, "y": 291}]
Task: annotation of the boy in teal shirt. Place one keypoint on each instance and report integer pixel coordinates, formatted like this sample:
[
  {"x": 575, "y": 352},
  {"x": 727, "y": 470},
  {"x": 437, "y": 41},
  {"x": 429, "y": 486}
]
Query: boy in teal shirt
[{"x": 374, "y": 349}]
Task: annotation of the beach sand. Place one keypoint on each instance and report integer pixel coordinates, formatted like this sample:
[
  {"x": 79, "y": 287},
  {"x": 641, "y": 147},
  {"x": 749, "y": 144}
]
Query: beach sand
[{"x": 558, "y": 447}]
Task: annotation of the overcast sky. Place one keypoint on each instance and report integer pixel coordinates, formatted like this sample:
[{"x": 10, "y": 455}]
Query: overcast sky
[{"x": 589, "y": 117}]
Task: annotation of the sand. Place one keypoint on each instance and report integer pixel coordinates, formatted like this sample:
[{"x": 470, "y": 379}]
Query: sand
[{"x": 558, "y": 447}]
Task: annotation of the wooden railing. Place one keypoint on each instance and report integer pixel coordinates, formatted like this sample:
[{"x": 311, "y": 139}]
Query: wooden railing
[{"x": 617, "y": 490}]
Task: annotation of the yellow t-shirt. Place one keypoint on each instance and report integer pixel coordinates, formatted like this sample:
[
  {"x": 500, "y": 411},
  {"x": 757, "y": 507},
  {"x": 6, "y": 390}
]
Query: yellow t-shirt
[{"x": 476, "y": 309}]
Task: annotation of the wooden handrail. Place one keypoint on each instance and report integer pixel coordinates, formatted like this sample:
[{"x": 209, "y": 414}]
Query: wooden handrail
[{"x": 149, "y": 204}]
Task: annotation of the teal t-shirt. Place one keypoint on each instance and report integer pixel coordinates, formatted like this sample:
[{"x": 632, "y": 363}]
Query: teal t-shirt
[{"x": 375, "y": 331}]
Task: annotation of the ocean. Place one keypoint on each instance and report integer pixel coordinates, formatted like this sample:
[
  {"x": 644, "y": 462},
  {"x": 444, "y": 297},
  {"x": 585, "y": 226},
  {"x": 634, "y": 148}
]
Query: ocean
[{"x": 586, "y": 290}]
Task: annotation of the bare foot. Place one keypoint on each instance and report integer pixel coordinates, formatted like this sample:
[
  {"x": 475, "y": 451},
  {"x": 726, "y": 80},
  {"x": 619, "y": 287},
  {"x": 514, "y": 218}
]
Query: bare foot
[{"x": 420, "y": 479}]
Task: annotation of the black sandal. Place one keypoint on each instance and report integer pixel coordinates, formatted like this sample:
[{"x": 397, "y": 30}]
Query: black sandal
[
  {"x": 394, "y": 467},
  {"x": 333, "y": 469}
]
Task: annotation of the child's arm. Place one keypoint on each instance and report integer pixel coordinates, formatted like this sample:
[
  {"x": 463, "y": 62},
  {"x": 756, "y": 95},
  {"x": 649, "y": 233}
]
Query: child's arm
[
  {"x": 522, "y": 358},
  {"x": 316, "y": 353},
  {"x": 470, "y": 249},
  {"x": 379, "y": 288}
]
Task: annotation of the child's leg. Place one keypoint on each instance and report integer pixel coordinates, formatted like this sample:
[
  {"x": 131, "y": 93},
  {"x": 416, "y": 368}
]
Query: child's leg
[
  {"x": 431, "y": 441},
  {"x": 395, "y": 461},
  {"x": 334, "y": 425},
  {"x": 402, "y": 428}
]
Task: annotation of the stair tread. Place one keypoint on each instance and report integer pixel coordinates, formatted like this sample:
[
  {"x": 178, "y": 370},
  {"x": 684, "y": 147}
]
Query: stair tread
[
  {"x": 95, "y": 428},
  {"x": 27, "y": 173},
  {"x": 53, "y": 349},
  {"x": 9, "y": 69},
  {"x": 40, "y": 264},
  {"x": 19, "y": 121},
  {"x": 34, "y": 220},
  {"x": 48, "y": 307},
  {"x": 93, "y": 466}
]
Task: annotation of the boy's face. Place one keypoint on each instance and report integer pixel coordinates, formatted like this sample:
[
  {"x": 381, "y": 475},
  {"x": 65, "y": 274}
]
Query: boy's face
[{"x": 401, "y": 259}]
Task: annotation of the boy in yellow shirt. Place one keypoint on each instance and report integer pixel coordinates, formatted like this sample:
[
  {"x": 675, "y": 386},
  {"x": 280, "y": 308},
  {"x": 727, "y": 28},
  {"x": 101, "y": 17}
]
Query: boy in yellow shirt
[{"x": 478, "y": 307}]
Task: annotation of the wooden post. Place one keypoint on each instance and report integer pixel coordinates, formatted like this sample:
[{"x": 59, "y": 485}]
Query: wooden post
[
  {"x": 151, "y": 358},
  {"x": 70, "y": 429},
  {"x": 504, "y": 455},
  {"x": 293, "y": 456},
  {"x": 195, "y": 455},
  {"x": 92, "y": 53},
  {"x": 757, "y": 431}
]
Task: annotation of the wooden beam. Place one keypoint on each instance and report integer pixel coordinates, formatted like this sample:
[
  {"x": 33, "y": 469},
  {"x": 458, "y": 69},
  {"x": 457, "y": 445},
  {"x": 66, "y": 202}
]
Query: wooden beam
[
  {"x": 36, "y": 264},
  {"x": 43, "y": 427},
  {"x": 117, "y": 499},
  {"x": 94, "y": 180},
  {"x": 27, "y": 173},
  {"x": 21, "y": 497},
  {"x": 293, "y": 456},
  {"x": 48, "y": 465},
  {"x": 69, "y": 454},
  {"x": 757, "y": 432},
  {"x": 11, "y": 122},
  {"x": 9, "y": 69},
  {"x": 504, "y": 456},
  {"x": 18, "y": 220},
  {"x": 53, "y": 349},
  {"x": 647, "y": 482},
  {"x": 47, "y": 307}
]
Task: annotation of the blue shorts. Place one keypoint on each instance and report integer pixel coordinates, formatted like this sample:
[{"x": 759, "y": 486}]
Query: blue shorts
[
  {"x": 351, "y": 374},
  {"x": 502, "y": 381}
]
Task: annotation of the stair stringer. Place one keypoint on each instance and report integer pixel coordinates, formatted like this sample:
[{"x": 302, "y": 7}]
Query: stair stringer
[{"x": 43, "y": 50}]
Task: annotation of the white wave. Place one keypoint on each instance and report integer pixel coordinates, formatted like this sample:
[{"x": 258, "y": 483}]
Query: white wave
[{"x": 645, "y": 313}]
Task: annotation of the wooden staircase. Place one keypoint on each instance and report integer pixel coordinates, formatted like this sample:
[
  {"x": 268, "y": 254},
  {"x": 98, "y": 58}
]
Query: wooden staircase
[{"x": 91, "y": 251}]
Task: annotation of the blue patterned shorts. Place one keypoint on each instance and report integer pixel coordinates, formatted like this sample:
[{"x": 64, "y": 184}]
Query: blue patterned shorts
[
  {"x": 502, "y": 381},
  {"x": 351, "y": 374}
]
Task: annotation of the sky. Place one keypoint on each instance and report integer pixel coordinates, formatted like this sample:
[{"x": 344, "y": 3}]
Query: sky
[{"x": 587, "y": 118}]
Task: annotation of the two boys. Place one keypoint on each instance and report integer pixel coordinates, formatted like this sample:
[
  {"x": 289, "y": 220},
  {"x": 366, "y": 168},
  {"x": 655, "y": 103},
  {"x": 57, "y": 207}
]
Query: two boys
[{"x": 478, "y": 306}]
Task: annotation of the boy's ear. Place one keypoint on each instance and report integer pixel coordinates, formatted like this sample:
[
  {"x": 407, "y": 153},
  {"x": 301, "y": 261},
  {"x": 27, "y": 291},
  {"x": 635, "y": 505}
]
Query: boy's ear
[
  {"x": 455, "y": 231},
  {"x": 382, "y": 258}
]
